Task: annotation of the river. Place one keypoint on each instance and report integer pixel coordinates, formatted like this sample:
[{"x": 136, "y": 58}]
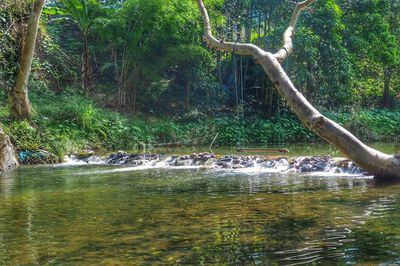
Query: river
[{"x": 97, "y": 214}]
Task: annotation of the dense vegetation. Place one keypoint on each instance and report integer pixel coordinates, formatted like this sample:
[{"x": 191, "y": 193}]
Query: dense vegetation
[{"x": 113, "y": 74}]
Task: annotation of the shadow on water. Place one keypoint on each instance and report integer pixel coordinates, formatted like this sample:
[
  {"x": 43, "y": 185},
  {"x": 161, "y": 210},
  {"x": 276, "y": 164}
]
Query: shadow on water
[{"x": 165, "y": 216}]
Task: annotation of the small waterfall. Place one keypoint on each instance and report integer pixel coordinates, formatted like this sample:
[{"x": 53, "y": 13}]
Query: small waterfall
[{"x": 233, "y": 163}]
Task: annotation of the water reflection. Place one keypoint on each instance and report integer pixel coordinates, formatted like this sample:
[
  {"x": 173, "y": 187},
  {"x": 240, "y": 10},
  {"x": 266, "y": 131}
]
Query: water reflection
[
  {"x": 57, "y": 216},
  {"x": 6, "y": 185},
  {"x": 333, "y": 241}
]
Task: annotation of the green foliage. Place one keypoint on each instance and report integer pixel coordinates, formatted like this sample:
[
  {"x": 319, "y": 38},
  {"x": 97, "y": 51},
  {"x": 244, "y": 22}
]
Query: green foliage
[
  {"x": 322, "y": 63},
  {"x": 82, "y": 12},
  {"x": 25, "y": 136},
  {"x": 369, "y": 32},
  {"x": 13, "y": 17},
  {"x": 152, "y": 51},
  {"x": 68, "y": 123},
  {"x": 375, "y": 125}
]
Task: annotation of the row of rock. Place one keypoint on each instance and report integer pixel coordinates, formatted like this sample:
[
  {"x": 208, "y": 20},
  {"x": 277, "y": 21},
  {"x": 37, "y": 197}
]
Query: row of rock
[
  {"x": 195, "y": 159},
  {"x": 235, "y": 162},
  {"x": 123, "y": 158},
  {"x": 298, "y": 164},
  {"x": 312, "y": 164}
]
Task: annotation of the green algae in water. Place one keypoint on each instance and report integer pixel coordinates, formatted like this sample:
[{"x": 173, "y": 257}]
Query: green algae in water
[{"x": 90, "y": 215}]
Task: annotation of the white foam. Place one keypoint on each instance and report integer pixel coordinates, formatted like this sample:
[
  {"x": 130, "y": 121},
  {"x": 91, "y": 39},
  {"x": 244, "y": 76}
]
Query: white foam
[
  {"x": 257, "y": 167},
  {"x": 71, "y": 161}
]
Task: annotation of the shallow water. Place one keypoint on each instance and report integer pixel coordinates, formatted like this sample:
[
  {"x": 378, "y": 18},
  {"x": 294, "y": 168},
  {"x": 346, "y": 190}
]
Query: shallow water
[{"x": 100, "y": 215}]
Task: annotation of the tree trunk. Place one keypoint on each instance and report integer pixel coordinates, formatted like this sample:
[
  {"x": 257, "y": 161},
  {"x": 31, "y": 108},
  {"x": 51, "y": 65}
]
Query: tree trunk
[
  {"x": 86, "y": 68},
  {"x": 129, "y": 75},
  {"x": 7, "y": 156},
  {"x": 188, "y": 92},
  {"x": 121, "y": 78},
  {"x": 310, "y": 84},
  {"x": 219, "y": 70},
  {"x": 19, "y": 103},
  {"x": 375, "y": 162},
  {"x": 270, "y": 102},
  {"x": 386, "y": 87},
  {"x": 134, "y": 96}
]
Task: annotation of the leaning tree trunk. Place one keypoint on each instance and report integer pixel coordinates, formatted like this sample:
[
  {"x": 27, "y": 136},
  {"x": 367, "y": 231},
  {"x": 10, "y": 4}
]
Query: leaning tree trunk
[
  {"x": 19, "y": 103},
  {"x": 377, "y": 163}
]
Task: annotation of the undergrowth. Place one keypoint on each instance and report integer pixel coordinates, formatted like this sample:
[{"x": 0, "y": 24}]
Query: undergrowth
[{"x": 68, "y": 123}]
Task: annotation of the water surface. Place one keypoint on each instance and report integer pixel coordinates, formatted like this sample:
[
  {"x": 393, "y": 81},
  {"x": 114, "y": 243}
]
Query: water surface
[
  {"x": 68, "y": 215},
  {"x": 87, "y": 215}
]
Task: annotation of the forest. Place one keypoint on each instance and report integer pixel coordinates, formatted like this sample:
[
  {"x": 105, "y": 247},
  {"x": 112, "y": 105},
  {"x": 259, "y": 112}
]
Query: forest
[
  {"x": 116, "y": 74},
  {"x": 199, "y": 132}
]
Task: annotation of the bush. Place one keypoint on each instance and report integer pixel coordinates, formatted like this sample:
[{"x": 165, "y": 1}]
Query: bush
[{"x": 68, "y": 123}]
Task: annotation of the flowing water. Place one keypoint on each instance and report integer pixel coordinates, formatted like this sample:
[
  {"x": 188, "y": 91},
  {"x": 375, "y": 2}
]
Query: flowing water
[{"x": 113, "y": 215}]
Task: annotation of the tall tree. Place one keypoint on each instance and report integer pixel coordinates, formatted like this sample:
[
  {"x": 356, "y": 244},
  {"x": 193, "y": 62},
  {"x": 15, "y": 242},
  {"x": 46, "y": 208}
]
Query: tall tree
[
  {"x": 376, "y": 162},
  {"x": 186, "y": 63},
  {"x": 371, "y": 30},
  {"x": 322, "y": 63},
  {"x": 139, "y": 35},
  {"x": 393, "y": 18},
  {"x": 134, "y": 28},
  {"x": 83, "y": 13},
  {"x": 19, "y": 103}
]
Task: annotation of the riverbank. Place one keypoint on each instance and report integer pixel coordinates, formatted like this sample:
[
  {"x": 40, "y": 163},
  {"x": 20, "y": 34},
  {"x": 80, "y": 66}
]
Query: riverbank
[{"x": 67, "y": 124}]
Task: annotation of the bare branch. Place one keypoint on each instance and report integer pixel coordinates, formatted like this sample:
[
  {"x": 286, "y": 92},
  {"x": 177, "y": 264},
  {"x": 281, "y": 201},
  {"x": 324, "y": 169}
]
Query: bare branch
[
  {"x": 239, "y": 48},
  {"x": 287, "y": 48}
]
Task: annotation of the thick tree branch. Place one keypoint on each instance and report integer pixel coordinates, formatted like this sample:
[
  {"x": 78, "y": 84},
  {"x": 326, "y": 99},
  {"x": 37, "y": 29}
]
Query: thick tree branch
[
  {"x": 287, "y": 48},
  {"x": 238, "y": 48}
]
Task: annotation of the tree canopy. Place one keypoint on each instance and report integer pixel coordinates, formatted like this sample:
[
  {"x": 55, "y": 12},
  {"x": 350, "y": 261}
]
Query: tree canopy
[{"x": 148, "y": 58}]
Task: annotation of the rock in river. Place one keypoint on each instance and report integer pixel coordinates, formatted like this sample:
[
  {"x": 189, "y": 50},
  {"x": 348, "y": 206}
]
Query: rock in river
[{"x": 7, "y": 155}]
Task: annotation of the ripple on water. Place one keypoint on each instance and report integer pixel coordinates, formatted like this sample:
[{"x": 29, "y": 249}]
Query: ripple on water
[
  {"x": 333, "y": 242},
  {"x": 187, "y": 216}
]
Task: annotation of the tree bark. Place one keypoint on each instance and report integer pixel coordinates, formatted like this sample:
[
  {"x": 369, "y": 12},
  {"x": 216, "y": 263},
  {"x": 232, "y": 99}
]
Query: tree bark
[
  {"x": 188, "y": 92},
  {"x": 219, "y": 71},
  {"x": 386, "y": 87},
  {"x": 381, "y": 165},
  {"x": 310, "y": 84},
  {"x": 86, "y": 68},
  {"x": 19, "y": 103},
  {"x": 128, "y": 85}
]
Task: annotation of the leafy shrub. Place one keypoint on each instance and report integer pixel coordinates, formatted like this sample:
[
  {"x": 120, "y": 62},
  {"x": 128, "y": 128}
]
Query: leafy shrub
[
  {"x": 24, "y": 136},
  {"x": 68, "y": 123}
]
